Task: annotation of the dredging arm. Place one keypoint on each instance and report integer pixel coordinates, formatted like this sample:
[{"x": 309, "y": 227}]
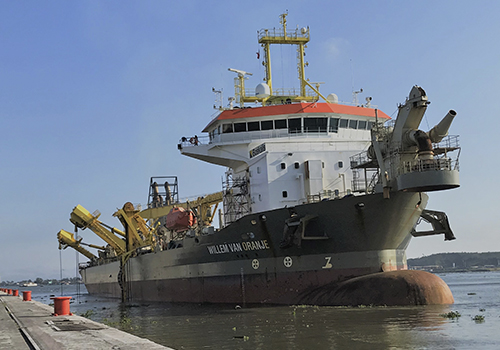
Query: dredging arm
[
  {"x": 410, "y": 159},
  {"x": 202, "y": 206},
  {"x": 67, "y": 239},
  {"x": 136, "y": 228},
  {"x": 405, "y": 158},
  {"x": 83, "y": 219},
  {"x": 136, "y": 232}
]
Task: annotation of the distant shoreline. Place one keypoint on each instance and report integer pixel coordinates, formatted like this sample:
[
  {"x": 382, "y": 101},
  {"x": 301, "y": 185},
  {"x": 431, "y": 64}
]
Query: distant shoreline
[{"x": 454, "y": 270}]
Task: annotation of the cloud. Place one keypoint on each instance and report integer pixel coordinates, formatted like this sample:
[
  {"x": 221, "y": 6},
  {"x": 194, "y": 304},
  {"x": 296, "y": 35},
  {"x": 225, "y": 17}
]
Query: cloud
[{"x": 336, "y": 47}]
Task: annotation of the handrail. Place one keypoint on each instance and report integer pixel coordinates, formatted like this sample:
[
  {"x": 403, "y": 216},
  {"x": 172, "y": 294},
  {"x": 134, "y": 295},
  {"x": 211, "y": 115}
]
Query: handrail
[
  {"x": 423, "y": 165},
  {"x": 236, "y": 137},
  {"x": 280, "y": 33}
]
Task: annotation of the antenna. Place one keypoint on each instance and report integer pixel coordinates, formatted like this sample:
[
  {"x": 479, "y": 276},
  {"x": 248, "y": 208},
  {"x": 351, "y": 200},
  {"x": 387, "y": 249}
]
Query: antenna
[
  {"x": 241, "y": 73},
  {"x": 352, "y": 75},
  {"x": 239, "y": 85},
  {"x": 231, "y": 100},
  {"x": 218, "y": 98},
  {"x": 355, "y": 96}
]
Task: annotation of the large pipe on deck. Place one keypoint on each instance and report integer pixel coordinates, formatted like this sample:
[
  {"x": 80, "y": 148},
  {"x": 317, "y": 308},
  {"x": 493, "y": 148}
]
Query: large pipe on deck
[
  {"x": 422, "y": 140},
  {"x": 440, "y": 131}
]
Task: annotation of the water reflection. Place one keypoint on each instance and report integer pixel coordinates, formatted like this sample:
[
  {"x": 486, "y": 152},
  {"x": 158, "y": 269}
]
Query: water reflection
[
  {"x": 201, "y": 327},
  {"x": 194, "y": 326}
]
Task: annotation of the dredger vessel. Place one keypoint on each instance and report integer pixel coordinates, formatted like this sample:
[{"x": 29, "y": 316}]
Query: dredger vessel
[{"x": 316, "y": 193}]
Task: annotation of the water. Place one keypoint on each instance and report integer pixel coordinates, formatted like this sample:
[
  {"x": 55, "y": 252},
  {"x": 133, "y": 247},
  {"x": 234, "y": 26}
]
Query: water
[{"x": 193, "y": 326}]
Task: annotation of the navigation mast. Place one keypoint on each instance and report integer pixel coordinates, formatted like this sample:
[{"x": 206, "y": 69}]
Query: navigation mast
[{"x": 267, "y": 37}]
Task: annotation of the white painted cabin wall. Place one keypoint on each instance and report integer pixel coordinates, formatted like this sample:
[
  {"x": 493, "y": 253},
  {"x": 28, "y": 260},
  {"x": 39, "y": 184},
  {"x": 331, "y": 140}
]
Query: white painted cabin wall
[
  {"x": 272, "y": 180},
  {"x": 259, "y": 186}
]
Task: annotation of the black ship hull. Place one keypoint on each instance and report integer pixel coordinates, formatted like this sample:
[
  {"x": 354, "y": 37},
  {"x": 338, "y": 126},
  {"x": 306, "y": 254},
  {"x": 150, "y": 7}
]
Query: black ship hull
[{"x": 283, "y": 256}]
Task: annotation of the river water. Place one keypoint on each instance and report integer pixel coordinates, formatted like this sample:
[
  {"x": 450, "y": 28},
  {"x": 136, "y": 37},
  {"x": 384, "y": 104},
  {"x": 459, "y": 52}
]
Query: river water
[{"x": 194, "y": 326}]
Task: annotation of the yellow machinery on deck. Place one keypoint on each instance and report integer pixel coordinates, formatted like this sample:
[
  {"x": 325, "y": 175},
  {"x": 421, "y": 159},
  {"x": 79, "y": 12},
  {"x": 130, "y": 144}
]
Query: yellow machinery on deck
[
  {"x": 67, "y": 239},
  {"x": 137, "y": 233}
]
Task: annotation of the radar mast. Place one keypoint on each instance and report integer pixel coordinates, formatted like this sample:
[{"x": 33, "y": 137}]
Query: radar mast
[{"x": 308, "y": 91}]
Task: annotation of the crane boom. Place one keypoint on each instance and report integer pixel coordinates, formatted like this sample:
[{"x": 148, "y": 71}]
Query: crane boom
[
  {"x": 83, "y": 219},
  {"x": 67, "y": 239},
  {"x": 201, "y": 205},
  {"x": 139, "y": 234}
]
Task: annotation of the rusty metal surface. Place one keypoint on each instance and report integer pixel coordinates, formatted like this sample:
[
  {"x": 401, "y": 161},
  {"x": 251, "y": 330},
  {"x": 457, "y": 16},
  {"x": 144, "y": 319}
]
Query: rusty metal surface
[{"x": 394, "y": 288}]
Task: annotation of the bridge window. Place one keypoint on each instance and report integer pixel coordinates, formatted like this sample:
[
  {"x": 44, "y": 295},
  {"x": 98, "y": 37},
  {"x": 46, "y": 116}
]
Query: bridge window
[
  {"x": 280, "y": 124},
  {"x": 353, "y": 124},
  {"x": 240, "y": 127},
  {"x": 294, "y": 125},
  {"x": 343, "y": 123},
  {"x": 362, "y": 124},
  {"x": 315, "y": 124},
  {"x": 266, "y": 125},
  {"x": 227, "y": 128},
  {"x": 334, "y": 124},
  {"x": 253, "y": 126}
]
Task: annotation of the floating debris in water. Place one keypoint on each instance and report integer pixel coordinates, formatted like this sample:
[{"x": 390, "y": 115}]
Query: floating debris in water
[
  {"x": 451, "y": 315},
  {"x": 471, "y": 293},
  {"x": 478, "y": 318},
  {"x": 244, "y": 337}
]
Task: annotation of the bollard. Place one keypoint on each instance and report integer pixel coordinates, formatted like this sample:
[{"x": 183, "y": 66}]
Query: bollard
[
  {"x": 61, "y": 306},
  {"x": 15, "y": 292},
  {"x": 9, "y": 291},
  {"x": 26, "y": 295}
]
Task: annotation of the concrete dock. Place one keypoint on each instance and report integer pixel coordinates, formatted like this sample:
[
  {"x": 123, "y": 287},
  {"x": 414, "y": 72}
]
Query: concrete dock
[{"x": 30, "y": 325}]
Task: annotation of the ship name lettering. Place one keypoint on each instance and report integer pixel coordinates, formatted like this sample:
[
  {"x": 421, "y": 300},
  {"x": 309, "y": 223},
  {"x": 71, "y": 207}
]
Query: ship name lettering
[
  {"x": 257, "y": 150},
  {"x": 255, "y": 245},
  {"x": 238, "y": 247},
  {"x": 235, "y": 247},
  {"x": 218, "y": 249}
]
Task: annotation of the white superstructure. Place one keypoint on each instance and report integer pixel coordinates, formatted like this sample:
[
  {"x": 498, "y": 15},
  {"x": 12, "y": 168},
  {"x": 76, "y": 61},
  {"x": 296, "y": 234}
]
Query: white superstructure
[{"x": 285, "y": 155}]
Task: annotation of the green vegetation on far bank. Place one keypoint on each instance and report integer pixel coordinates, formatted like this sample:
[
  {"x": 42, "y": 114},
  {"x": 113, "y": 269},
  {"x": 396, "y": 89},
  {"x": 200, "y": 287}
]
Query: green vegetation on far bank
[
  {"x": 457, "y": 262},
  {"x": 40, "y": 281}
]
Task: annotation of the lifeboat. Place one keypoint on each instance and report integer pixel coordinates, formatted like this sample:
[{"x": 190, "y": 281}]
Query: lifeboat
[{"x": 180, "y": 219}]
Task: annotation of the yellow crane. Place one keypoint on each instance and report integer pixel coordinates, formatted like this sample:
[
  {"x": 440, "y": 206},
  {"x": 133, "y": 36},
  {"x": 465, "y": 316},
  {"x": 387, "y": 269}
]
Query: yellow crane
[
  {"x": 136, "y": 233},
  {"x": 202, "y": 207},
  {"x": 67, "y": 239},
  {"x": 83, "y": 219}
]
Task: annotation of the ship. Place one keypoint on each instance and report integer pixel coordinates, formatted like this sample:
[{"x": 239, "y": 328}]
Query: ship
[
  {"x": 29, "y": 284},
  {"x": 316, "y": 193}
]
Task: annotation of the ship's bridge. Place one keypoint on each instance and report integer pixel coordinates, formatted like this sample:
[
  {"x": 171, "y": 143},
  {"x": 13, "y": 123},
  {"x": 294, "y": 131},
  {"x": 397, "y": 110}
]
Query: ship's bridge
[{"x": 310, "y": 120}]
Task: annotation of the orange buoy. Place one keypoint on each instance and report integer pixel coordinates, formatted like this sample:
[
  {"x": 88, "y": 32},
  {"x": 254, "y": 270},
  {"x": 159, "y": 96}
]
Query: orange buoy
[
  {"x": 61, "y": 306},
  {"x": 26, "y": 295}
]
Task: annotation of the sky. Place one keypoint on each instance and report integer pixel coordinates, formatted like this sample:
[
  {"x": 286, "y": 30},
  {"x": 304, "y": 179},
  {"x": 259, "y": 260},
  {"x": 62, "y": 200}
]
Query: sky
[{"x": 95, "y": 95}]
